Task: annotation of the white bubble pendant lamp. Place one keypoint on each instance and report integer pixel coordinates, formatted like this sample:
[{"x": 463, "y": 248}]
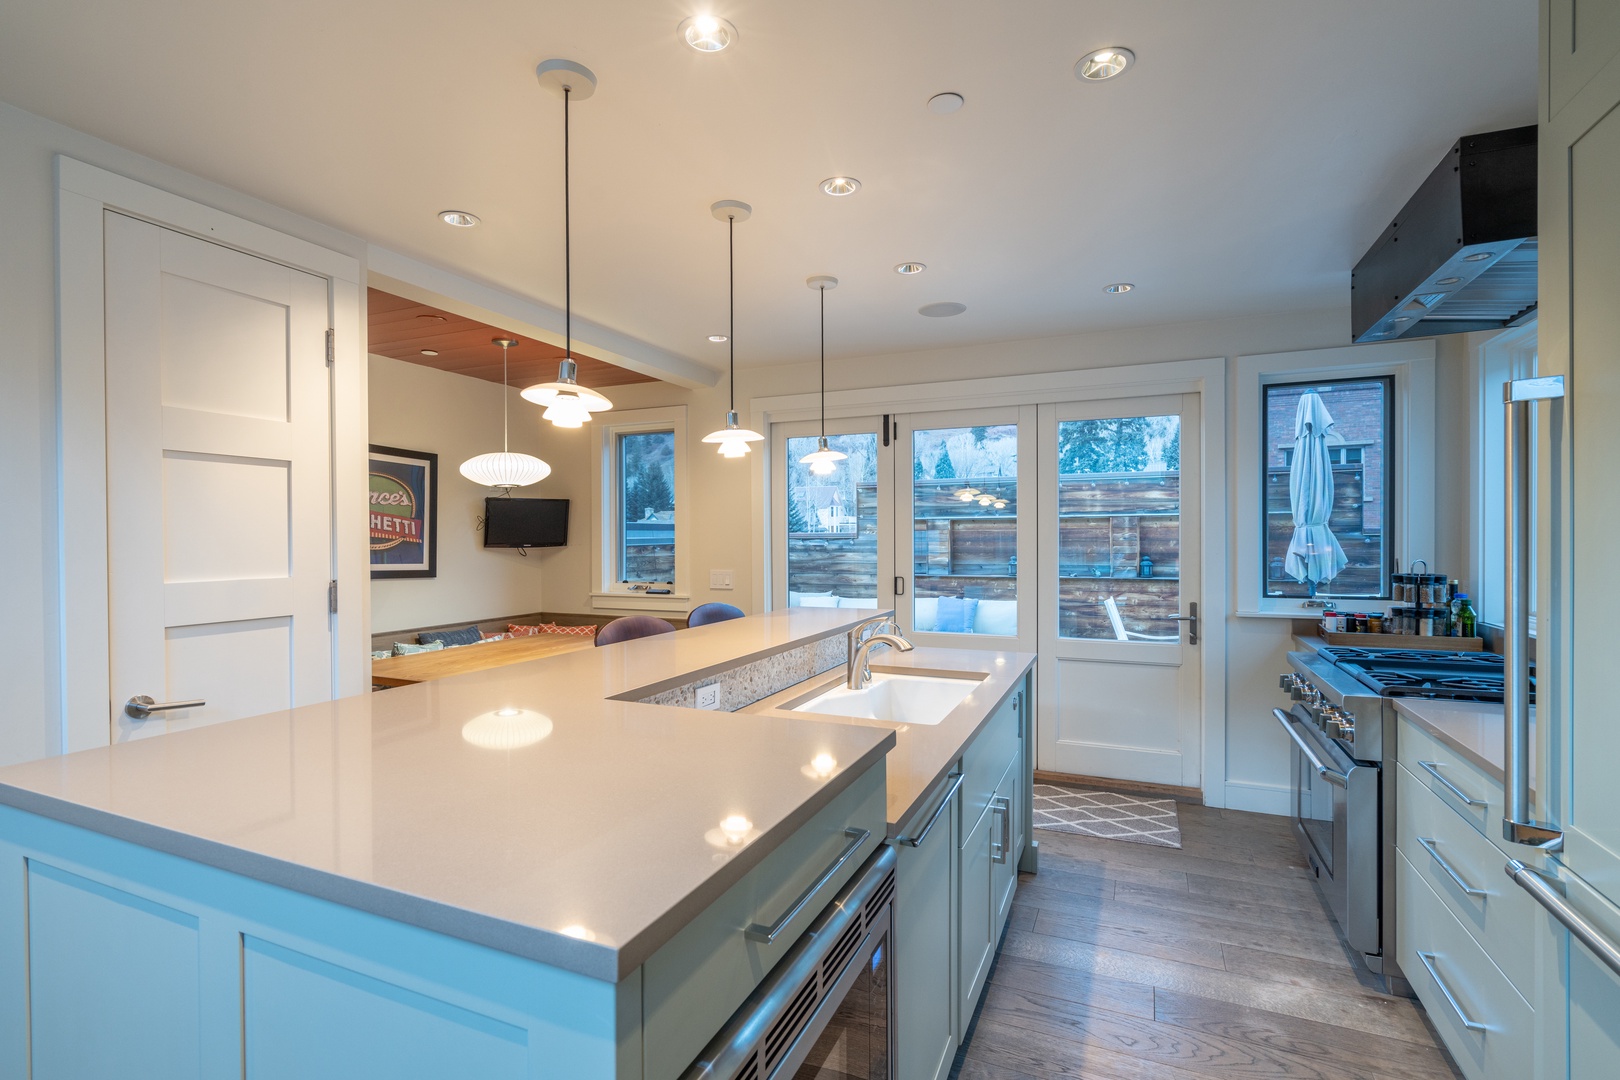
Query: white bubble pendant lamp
[
  {"x": 733, "y": 440},
  {"x": 505, "y": 469},
  {"x": 822, "y": 460},
  {"x": 567, "y": 403}
]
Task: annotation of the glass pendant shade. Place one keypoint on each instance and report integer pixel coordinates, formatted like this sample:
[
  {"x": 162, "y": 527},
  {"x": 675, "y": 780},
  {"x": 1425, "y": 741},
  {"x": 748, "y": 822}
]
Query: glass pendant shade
[
  {"x": 822, "y": 460},
  {"x": 505, "y": 469},
  {"x": 733, "y": 440}
]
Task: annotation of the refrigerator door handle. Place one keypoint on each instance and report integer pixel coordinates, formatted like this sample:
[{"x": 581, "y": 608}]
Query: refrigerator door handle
[
  {"x": 1542, "y": 891},
  {"x": 1518, "y": 826}
]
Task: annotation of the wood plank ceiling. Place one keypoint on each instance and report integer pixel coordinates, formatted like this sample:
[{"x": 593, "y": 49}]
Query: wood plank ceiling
[{"x": 401, "y": 329}]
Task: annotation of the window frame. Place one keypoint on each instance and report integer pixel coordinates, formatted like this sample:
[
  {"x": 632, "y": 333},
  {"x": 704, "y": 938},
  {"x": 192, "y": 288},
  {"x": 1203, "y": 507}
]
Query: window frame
[
  {"x": 1409, "y": 506},
  {"x": 610, "y": 593}
]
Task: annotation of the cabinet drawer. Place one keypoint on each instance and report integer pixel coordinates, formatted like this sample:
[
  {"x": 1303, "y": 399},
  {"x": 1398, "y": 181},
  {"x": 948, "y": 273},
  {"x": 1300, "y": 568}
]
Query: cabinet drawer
[
  {"x": 1472, "y": 793},
  {"x": 1500, "y": 1044},
  {"x": 1496, "y": 912},
  {"x": 693, "y": 985},
  {"x": 986, "y": 760}
]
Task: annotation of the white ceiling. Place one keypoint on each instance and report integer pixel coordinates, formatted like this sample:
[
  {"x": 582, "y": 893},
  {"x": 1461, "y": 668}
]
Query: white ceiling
[{"x": 1242, "y": 166}]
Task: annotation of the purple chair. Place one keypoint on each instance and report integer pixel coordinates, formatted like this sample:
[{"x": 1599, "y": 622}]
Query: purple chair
[
  {"x": 631, "y": 627},
  {"x": 704, "y": 614}
]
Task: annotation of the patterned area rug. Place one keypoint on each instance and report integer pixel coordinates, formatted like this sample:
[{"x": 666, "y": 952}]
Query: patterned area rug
[{"x": 1107, "y": 815}]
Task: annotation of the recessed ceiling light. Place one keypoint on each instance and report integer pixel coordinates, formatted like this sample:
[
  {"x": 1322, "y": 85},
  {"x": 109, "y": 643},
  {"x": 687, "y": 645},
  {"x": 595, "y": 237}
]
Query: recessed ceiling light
[
  {"x": 945, "y": 104},
  {"x": 840, "y": 185},
  {"x": 1448, "y": 281},
  {"x": 707, "y": 33},
  {"x": 1118, "y": 287},
  {"x": 430, "y": 352},
  {"x": 942, "y": 310},
  {"x": 459, "y": 218},
  {"x": 1478, "y": 256},
  {"x": 909, "y": 268},
  {"x": 435, "y": 318},
  {"x": 1104, "y": 64},
  {"x": 718, "y": 338}
]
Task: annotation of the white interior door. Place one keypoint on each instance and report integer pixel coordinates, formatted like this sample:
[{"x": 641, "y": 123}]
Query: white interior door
[
  {"x": 1120, "y": 681},
  {"x": 964, "y": 550},
  {"x": 219, "y": 480},
  {"x": 835, "y": 549}
]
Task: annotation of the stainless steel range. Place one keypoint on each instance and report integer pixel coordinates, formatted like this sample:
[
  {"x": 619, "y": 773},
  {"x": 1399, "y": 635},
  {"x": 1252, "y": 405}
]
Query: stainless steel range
[{"x": 1342, "y": 723}]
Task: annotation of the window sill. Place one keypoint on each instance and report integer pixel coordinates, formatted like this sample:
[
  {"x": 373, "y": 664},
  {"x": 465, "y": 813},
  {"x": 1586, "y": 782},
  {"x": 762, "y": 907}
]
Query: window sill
[{"x": 639, "y": 601}]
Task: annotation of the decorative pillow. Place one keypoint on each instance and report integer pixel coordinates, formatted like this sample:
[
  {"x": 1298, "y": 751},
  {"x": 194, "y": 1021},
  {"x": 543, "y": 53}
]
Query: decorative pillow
[
  {"x": 955, "y": 615},
  {"x": 450, "y": 637},
  {"x": 382, "y": 654},
  {"x": 495, "y": 637},
  {"x": 520, "y": 630},
  {"x": 805, "y": 600},
  {"x": 403, "y": 648},
  {"x": 588, "y": 630}
]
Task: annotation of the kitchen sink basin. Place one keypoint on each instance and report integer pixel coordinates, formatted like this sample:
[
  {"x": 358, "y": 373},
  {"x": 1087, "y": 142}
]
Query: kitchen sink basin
[{"x": 899, "y": 699}]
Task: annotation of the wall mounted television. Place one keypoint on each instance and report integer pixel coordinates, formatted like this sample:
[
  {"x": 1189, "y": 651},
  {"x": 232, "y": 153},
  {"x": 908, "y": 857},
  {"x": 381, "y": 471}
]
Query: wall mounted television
[{"x": 525, "y": 523}]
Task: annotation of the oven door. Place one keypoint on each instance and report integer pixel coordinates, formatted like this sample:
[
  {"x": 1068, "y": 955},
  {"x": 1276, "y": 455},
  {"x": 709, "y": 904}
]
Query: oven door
[{"x": 1335, "y": 815}]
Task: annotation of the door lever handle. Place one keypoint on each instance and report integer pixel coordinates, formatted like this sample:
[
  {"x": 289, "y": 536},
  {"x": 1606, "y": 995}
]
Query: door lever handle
[{"x": 141, "y": 706}]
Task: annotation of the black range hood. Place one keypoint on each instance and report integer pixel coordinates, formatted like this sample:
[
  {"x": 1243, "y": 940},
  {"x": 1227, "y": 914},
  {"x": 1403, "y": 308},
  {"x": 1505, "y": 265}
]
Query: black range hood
[{"x": 1461, "y": 254}]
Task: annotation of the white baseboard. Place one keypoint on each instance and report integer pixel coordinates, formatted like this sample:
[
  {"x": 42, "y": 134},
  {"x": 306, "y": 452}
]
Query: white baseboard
[{"x": 1259, "y": 798}]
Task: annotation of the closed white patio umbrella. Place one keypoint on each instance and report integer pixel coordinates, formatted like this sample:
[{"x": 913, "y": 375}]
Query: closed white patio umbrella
[{"x": 1314, "y": 554}]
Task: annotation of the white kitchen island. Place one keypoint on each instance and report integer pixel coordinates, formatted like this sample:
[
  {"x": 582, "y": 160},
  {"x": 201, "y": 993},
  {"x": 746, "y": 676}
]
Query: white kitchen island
[{"x": 523, "y": 872}]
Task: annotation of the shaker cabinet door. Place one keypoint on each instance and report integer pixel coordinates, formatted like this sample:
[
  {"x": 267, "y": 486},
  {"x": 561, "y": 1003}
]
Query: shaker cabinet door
[
  {"x": 924, "y": 952},
  {"x": 977, "y": 934}
]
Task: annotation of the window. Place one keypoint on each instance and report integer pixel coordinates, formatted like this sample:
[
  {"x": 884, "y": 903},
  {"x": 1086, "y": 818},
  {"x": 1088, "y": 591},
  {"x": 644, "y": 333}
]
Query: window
[
  {"x": 640, "y": 539},
  {"x": 646, "y": 489},
  {"x": 1505, "y": 357},
  {"x": 964, "y": 494},
  {"x": 832, "y": 524},
  {"x": 1333, "y": 526}
]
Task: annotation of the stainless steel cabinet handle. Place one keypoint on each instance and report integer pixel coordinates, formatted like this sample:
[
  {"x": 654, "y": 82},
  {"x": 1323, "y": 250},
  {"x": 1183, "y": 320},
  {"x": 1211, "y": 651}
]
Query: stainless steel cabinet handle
[
  {"x": 1451, "y": 871},
  {"x": 1433, "y": 769},
  {"x": 1451, "y": 999},
  {"x": 1518, "y": 827},
  {"x": 1332, "y": 776},
  {"x": 938, "y": 810},
  {"x": 142, "y": 706},
  {"x": 1541, "y": 890},
  {"x": 769, "y": 934},
  {"x": 998, "y": 851}
]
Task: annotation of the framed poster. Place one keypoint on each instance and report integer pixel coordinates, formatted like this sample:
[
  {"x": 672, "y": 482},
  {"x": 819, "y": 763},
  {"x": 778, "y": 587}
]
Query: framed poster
[{"x": 404, "y": 513}]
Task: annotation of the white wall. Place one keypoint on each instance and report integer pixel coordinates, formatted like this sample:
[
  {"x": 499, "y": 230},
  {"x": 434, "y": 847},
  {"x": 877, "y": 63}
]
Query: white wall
[
  {"x": 32, "y": 643},
  {"x": 455, "y": 416},
  {"x": 1257, "y": 754}
]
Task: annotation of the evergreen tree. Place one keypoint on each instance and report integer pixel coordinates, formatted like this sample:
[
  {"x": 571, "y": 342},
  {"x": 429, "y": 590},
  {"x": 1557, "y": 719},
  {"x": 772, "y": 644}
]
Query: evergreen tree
[
  {"x": 796, "y": 517},
  {"x": 980, "y": 433},
  {"x": 942, "y": 467},
  {"x": 1105, "y": 446},
  {"x": 917, "y": 470}
]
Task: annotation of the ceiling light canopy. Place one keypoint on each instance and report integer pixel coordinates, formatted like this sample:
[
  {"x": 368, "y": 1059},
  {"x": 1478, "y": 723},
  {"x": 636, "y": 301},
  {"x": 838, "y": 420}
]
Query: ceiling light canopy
[
  {"x": 505, "y": 469},
  {"x": 909, "y": 268},
  {"x": 459, "y": 218},
  {"x": 1118, "y": 287},
  {"x": 567, "y": 404},
  {"x": 733, "y": 440},
  {"x": 837, "y": 186},
  {"x": 707, "y": 33},
  {"x": 1104, "y": 64}
]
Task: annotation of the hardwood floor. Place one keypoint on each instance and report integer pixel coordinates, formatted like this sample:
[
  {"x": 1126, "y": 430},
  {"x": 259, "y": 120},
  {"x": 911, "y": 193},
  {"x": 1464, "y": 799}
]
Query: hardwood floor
[{"x": 1220, "y": 960}]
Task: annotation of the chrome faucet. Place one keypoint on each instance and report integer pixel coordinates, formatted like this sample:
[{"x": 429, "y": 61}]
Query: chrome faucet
[
  {"x": 859, "y": 673},
  {"x": 855, "y": 635}
]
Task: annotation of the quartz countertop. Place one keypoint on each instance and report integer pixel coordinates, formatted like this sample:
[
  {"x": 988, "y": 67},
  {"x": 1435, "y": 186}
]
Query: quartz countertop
[
  {"x": 923, "y": 753},
  {"x": 1475, "y": 729},
  {"x": 587, "y": 848}
]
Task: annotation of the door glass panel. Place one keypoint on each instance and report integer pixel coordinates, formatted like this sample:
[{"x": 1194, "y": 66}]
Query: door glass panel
[
  {"x": 964, "y": 510},
  {"x": 1119, "y": 528},
  {"x": 832, "y": 525}
]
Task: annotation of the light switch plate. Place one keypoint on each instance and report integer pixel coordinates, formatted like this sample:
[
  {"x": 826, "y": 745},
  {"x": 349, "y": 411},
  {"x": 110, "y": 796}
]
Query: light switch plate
[
  {"x": 721, "y": 579},
  {"x": 708, "y": 697}
]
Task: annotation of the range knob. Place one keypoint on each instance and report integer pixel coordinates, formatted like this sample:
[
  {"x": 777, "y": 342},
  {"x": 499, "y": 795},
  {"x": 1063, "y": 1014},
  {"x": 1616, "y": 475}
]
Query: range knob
[{"x": 1286, "y": 680}]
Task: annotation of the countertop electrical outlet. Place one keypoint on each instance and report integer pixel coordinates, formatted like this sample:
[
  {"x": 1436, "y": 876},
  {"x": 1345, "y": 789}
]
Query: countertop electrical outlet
[{"x": 708, "y": 697}]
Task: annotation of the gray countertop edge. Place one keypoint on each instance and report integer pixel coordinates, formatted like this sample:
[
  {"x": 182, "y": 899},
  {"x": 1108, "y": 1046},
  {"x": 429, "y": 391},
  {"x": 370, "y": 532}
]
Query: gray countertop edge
[
  {"x": 605, "y": 963},
  {"x": 1412, "y": 709}
]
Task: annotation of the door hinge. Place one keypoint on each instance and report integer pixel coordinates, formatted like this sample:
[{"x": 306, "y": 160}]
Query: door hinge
[
  {"x": 331, "y": 598},
  {"x": 331, "y": 353}
]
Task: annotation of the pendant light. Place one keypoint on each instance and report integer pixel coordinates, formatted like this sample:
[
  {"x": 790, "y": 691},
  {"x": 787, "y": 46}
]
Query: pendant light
[
  {"x": 733, "y": 440},
  {"x": 505, "y": 469},
  {"x": 823, "y": 461},
  {"x": 567, "y": 403}
]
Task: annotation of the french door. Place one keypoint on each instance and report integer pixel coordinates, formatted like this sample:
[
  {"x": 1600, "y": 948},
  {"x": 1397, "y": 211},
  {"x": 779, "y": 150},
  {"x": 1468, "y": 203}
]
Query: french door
[{"x": 1119, "y": 692}]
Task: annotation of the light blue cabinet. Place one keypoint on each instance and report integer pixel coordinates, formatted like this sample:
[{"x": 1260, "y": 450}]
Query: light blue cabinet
[{"x": 924, "y": 950}]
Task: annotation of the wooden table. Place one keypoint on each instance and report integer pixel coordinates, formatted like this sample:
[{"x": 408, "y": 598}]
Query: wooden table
[{"x": 420, "y": 667}]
